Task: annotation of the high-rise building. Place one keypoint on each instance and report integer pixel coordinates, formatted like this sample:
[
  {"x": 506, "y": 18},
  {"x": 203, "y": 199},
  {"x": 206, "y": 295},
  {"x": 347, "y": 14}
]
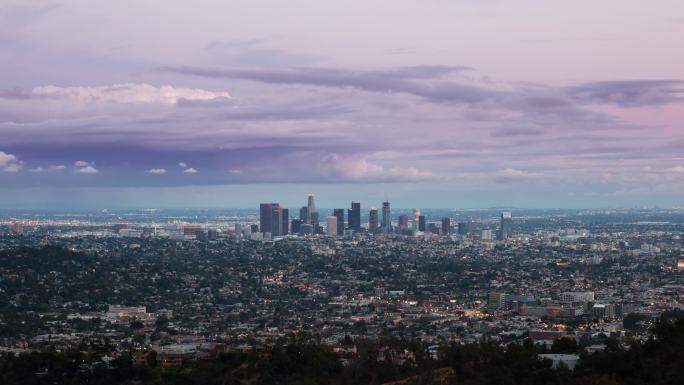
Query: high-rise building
[
  {"x": 276, "y": 220},
  {"x": 421, "y": 223},
  {"x": 265, "y": 217},
  {"x": 446, "y": 226},
  {"x": 313, "y": 221},
  {"x": 386, "y": 223},
  {"x": 403, "y": 222},
  {"x": 284, "y": 221},
  {"x": 310, "y": 207},
  {"x": 505, "y": 227},
  {"x": 18, "y": 228},
  {"x": 416, "y": 219},
  {"x": 296, "y": 226},
  {"x": 354, "y": 216},
  {"x": 331, "y": 226},
  {"x": 463, "y": 228},
  {"x": 271, "y": 219},
  {"x": 304, "y": 214},
  {"x": 373, "y": 221},
  {"x": 339, "y": 214}
]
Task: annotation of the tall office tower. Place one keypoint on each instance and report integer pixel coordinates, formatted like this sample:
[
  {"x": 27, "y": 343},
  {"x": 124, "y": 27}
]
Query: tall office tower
[
  {"x": 463, "y": 228},
  {"x": 373, "y": 221},
  {"x": 354, "y": 216},
  {"x": 331, "y": 226},
  {"x": 276, "y": 221},
  {"x": 416, "y": 219},
  {"x": 386, "y": 218},
  {"x": 314, "y": 220},
  {"x": 266, "y": 217},
  {"x": 296, "y": 226},
  {"x": 339, "y": 214},
  {"x": 403, "y": 222},
  {"x": 310, "y": 207},
  {"x": 446, "y": 226},
  {"x": 284, "y": 221},
  {"x": 18, "y": 228},
  {"x": 421, "y": 223},
  {"x": 506, "y": 223},
  {"x": 304, "y": 214},
  {"x": 253, "y": 229}
]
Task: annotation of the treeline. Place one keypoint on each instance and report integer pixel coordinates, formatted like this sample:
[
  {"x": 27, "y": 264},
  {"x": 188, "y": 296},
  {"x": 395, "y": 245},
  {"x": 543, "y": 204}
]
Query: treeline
[{"x": 304, "y": 361}]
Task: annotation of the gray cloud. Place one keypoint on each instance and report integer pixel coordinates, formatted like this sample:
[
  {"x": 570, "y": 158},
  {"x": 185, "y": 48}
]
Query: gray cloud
[
  {"x": 437, "y": 84},
  {"x": 631, "y": 93}
]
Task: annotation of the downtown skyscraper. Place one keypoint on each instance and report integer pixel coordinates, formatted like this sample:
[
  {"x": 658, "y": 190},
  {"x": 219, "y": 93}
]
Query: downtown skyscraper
[
  {"x": 386, "y": 224},
  {"x": 373, "y": 221},
  {"x": 354, "y": 216}
]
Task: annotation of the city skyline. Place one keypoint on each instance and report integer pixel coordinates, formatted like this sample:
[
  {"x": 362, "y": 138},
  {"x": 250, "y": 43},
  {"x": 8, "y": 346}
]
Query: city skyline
[{"x": 437, "y": 104}]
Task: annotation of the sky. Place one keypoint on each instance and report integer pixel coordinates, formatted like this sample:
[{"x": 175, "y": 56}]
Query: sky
[{"x": 427, "y": 103}]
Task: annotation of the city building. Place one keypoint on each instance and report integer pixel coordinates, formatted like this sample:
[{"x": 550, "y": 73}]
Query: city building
[
  {"x": 416, "y": 219},
  {"x": 373, "y": 221},
  {"x": 446, "y": 226},
  {"x": 487, "y": 235},
  {"x": 354, "y": 216},
  {"x": 505, "y": 226},
  {"x": 498, "y": 301},
  {"x": 386, "y": 224},
  {"x": 265, "y": 217},
  {"x": 296, "y": 226},
  {"x": 18, "y": 228},
  {"x": 339, "y": 214},
  {"x": 304, "y": 214},
  {"x": 464, "y": 228},
  {"x": 311, "y": 209},
  {"x": 421, "y": 222},
  {"x": 284, "y": 221},
  {"x": 331, "y": 226}
]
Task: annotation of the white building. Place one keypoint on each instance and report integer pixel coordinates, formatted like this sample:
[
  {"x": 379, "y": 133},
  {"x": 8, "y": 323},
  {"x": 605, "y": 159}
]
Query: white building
[
  {"x": 331, "y": 229},
  {"x": 578, "y": 296}
]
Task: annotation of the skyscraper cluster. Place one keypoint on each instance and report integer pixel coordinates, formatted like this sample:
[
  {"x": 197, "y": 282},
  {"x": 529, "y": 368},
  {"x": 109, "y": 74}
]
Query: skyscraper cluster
[{"x": 274, "y": 222}]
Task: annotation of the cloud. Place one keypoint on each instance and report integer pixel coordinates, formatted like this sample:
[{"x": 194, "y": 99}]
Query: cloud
[
  {"x": 81, "y": 163},
  {"x": 88, "y": 170},
  {"x": 443, "y": 85},
  {"x": 6, "y": 159},
  {"x": 235, "y": 171},
  {"x": 37, "y": 169},
  {"x": 57, "y": 167},
  {"x": 182, "y": 164},
  {"x": 9, "y": 162},
  {"x": 137, "y": 93},
  {"x": 630, "y": 93},
  {"x": 190, "y": 171},
  {"x": 512, "y": 175},
  {"x": 402, "y": 80},
  {"x": 156, "y": 171}
]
